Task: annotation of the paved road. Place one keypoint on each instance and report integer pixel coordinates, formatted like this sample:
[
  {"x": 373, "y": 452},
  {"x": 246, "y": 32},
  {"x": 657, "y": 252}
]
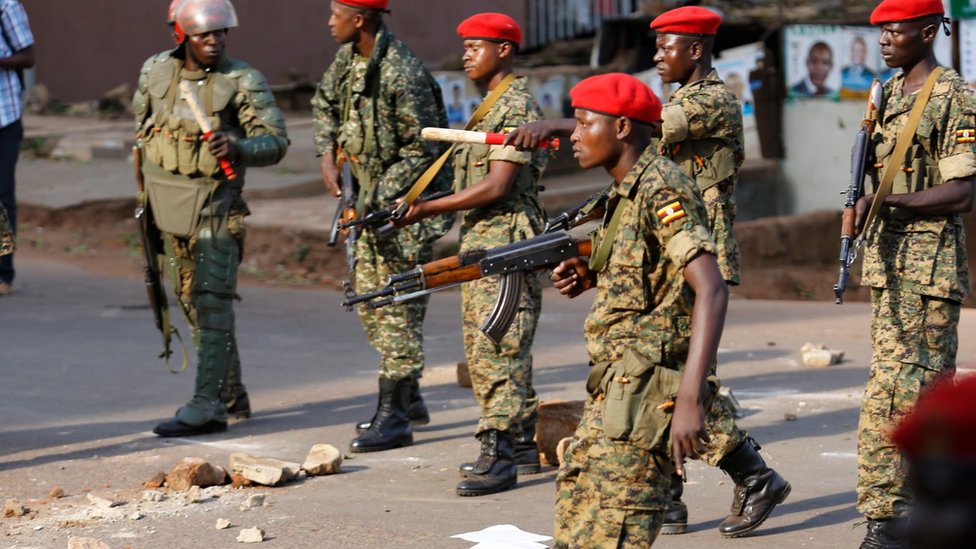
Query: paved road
[{"x": 81, "y": 390}]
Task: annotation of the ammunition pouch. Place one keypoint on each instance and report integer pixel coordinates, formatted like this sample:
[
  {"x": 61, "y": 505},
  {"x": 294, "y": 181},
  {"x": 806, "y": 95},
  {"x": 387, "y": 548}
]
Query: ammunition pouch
[
  {"x": 636, "y": 397},
  {"x": 176, "y": 200},
  {"x": 707, "y": 162}
]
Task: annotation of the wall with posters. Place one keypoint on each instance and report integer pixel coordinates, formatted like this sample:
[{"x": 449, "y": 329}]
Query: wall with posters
[{"x": 828, "y": 71}]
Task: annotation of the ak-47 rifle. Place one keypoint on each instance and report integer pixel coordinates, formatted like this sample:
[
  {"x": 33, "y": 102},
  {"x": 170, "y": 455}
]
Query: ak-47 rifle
[
  {"x": 345, "y": 216},
  {"x": 153, "y": 258},
  {"x": 859, "y": 164},
  {"x": 383, "y": 217},
  {"x": 546, "y": 250}
]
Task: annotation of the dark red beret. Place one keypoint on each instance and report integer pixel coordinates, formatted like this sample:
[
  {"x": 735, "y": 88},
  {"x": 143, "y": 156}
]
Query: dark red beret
[
  {"x": 366, "y": 4},
  {"x": 490, "y": 26},
  {"x": 893, "y": 11},
  {"x": 942, "y": 424},
  {"x": 687, "y": 20},
  {"x": 617, "y": 94}
]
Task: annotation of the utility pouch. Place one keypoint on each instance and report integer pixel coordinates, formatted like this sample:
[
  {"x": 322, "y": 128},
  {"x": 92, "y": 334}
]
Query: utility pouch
[
  {"x": 638, "y": 400},
  {"x": 177, "y": 201},
  {"x": 188, "y": 147}
]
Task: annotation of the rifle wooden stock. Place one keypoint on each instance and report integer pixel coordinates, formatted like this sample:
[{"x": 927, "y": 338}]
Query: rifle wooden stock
[{"x": 450, "y": 270}]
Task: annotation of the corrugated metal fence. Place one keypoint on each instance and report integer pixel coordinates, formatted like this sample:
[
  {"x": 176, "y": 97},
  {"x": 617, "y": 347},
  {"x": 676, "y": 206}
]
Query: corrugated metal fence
[{"x": 552, "y": 20}]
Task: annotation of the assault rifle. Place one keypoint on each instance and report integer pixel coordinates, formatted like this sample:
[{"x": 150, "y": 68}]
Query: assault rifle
[
  {"x": 383, "y": 217},
  {"x": 859, "y": 164},
  {"x": 345, "y": 215},
  {"x": 509, "y": 261},
  {"x": 153, "y": 258}
]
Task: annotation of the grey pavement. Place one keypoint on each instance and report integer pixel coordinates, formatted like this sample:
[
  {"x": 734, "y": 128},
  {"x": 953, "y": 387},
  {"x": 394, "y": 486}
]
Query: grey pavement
[{"x": 82, "y": 389}]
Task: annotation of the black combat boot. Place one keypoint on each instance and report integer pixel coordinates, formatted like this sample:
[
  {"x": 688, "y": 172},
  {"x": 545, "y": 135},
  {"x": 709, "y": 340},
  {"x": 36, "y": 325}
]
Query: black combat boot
[
  {"x": 494, "y": 470},
  {"x": 526, "y": 451},
  {"x": 238, "y": 407},
  {"x": 885, "y": 534},
  {"x": 676, "y": 515},
  {"x": 758, "y": 489},
  {"x": 390, "y": 428},
  {"x": 416, "y": 410}
]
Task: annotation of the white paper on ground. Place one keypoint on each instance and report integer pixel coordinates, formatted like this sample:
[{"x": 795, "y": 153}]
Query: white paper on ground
[{"x": 504, "y": 536}]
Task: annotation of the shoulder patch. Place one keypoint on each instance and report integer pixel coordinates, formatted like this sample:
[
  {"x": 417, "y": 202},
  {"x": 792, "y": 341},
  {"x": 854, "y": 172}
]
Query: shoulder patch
[
  {"x": 669, "y": 211},
  {"x": 967, "y": 135}
]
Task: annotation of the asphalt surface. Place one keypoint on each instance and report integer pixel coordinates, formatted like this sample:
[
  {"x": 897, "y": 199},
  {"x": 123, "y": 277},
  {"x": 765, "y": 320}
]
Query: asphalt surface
[{"x": 81, "y": 390}]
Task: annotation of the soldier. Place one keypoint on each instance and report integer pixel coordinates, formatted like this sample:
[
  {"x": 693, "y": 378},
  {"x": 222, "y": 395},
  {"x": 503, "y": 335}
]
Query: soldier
[
  {"x": 497, "y": 189},
  {"x": 369, "y": 109},
  {"x": 195, "y": 203},
  {"x": 915, "y": 259},
  {"x": 652, "y": 332},
  {"x": 701, "y": 131}
]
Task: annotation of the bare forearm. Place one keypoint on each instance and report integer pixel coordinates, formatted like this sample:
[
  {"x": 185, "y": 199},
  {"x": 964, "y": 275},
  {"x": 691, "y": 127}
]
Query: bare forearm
[
  {"x": 707, "y": 323},
  {"x": 23, "y": 59},
  {"x": 952, "y": 197}
]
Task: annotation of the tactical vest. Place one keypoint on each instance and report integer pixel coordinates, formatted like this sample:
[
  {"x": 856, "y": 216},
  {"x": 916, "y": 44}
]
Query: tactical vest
[{"x": 708, "y": 162}]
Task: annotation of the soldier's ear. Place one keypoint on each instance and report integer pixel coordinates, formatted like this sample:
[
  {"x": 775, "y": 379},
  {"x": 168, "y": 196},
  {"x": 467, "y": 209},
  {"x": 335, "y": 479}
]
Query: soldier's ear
[
  {"x": 624, "y": 127},
  {"x": 505, "y": 50}
]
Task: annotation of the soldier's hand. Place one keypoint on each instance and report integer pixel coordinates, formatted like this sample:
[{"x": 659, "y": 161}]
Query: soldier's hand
[
  {"x": 527, "y": 136},
  {"x": 222, "y": 147},
  {"x": 573, "y": 277},
  {"x": 861, "y": 209},
  {"x": 330, "y": 174},
  {"x": 415, "y": 213},
  {"x": 688, "y": 436}
]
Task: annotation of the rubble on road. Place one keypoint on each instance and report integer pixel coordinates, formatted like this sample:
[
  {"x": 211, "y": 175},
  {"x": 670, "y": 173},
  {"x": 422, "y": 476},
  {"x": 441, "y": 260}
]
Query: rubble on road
[
  {"x": 818, "y": 355},
  {"x": 322, "y": 459},
  {"x": 192, "y": 471},
  {"x": 263, "y": 470}
]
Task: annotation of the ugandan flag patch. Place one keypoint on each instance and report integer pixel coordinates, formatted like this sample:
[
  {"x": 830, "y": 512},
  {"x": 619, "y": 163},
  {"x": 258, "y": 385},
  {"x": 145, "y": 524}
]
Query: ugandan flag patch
[
  {"x": 966, "y": 136},
  {"x": 670, "y": 212}
]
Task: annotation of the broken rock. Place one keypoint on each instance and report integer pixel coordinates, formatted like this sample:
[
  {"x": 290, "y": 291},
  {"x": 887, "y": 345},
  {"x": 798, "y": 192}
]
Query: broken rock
[
  {"x": 251, "y": 535},
  {"x": 818, "y": 355},
  {"x": 263, "y": 470},
  {"x": 252, "y": 501},
  {"x": 103, "y": 503},
  {"x": 13, "y": 508},
  {"x": 223, "y": 524},
  {"x": 155, "y": 481},
  {"x": 86, "y": 543},
  {"x": 558, "y": 419},
  {"x": 322, "y": 459},
  {"x": 195, "y": 472}
]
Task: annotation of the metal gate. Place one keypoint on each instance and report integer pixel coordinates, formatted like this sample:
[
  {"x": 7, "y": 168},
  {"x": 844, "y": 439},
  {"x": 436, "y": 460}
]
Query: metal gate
[{"x": 552, "y": 20}]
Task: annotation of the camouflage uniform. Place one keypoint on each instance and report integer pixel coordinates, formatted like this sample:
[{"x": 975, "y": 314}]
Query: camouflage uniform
[
  {"x": 7, "y": 243},
  {"x": 702, "y": 132},
  {"x": 502, "y": 375},
  {"x": 373, "y": 110},
  {"x": 917, "y": 269},
  {"x": 612, "y": 489},
  {"x": 204, "y": 241}
]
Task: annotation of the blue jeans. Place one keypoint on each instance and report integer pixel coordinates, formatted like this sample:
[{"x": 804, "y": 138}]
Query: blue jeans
[{"x": 10, "y": 137}]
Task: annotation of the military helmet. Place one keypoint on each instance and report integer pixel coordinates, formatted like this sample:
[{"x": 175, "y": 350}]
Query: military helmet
[
  {"x": 178, "y": 34},
  {"x": 200, "y": 16}
]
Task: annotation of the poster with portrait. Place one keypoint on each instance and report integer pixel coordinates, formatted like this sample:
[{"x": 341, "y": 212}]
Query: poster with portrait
[{"x": 839, "y": 62}]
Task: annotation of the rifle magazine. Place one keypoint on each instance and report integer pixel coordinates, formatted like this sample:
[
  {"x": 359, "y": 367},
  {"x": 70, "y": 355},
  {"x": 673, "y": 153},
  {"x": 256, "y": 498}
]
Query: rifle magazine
[{"x": 506, "y": 307}]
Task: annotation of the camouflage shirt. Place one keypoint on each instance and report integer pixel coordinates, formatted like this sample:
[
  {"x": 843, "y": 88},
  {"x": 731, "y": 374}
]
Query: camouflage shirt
[
  {"x": 517, "y": 215},
  {"x": 6, "y": 233},
  {"x": 642, "y": 301},
  {"x": 914, "y": 253},
  {"x": 373, "y": 110},
  {"x": 702, "y": 132}
]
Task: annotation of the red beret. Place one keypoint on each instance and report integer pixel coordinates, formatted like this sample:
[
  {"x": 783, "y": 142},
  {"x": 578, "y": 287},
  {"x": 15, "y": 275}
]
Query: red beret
[
  {"x": 490, "y": 26},
  {"x": 687, "y": 20},
  {"x": 617, "y": 94},
  {"x": 943, "y": 423},
  {"x": 893, "y": 11},
  {"x": 366, "y": 4}
]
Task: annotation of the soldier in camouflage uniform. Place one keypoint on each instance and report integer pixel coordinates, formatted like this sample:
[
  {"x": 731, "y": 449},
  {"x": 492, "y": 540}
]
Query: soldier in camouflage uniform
[
  {"x": 369, "y": 109},
  {"x": 497, "y": 189},
  {"x": 653, "y": 329},
  {"x": 915, "y": 259},
  {"x": 7, "y": 241},
  {"x": 701, "y": 131},
  {"x": 197, "y": 207}
]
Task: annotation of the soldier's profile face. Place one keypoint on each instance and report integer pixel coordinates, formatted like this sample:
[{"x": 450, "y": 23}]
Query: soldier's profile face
[
  {"x": 594, "y": 139},
  {"x": 674, "y": 57},
  {"x": 207, "y": 47},
  {"x": 481, "y": 59},
  {"x": 902, "y": 43},
  {"x": 342, "y": 23}
]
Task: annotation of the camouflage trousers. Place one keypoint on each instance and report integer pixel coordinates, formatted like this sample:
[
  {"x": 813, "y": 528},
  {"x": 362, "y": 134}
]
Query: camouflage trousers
[
  {"x": 609, "y": 493},
  {"x": 396, "y": 332},
  {"x": 204, "y": 270},
  {"x": 6, "y": 233},
  {"x": 501, "y": 375},
  {"x": 914, "y": 341}
]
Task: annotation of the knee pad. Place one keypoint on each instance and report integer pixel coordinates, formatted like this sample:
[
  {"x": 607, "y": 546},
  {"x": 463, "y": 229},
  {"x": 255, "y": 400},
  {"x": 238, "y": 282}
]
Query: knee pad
[{"x": 215, "y": 312}]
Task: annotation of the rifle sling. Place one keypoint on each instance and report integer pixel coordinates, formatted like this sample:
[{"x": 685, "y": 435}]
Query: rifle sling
[
  {"x": 428, "y": 176},
  {"x": 904, "y": 141},
  {"x": 603, "y": 245}
]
